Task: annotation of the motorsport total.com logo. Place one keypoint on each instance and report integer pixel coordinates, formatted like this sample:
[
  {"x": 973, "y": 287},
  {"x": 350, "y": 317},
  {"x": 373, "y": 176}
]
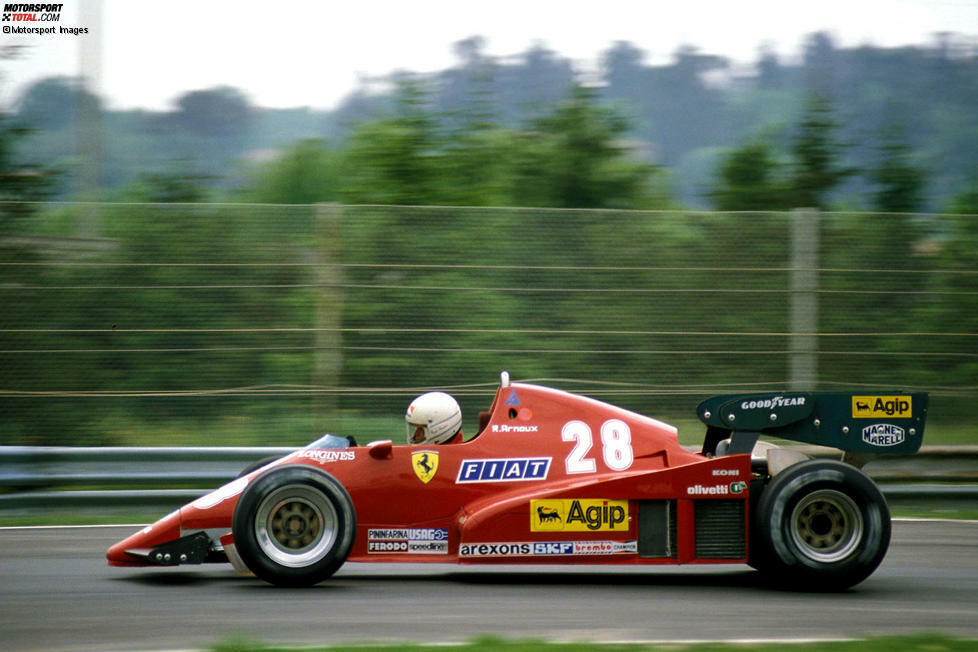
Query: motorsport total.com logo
[
  {"x": 25, "y": 17},
  {"x": 31, "y": 13}
]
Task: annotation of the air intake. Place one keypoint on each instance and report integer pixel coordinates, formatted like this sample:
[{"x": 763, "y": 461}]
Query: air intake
[
  {"x": 720, "y": 529},
  {"x": 657, "y": 528}
]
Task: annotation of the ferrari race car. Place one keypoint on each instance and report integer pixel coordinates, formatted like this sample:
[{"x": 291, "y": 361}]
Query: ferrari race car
[{"x": 554, "y": 477}]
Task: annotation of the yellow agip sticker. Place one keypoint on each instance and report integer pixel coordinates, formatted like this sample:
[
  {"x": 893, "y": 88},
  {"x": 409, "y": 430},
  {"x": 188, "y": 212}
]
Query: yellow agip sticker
[
  {"x": 578, "y": 515},
  {"x": 880, "y": 407}
]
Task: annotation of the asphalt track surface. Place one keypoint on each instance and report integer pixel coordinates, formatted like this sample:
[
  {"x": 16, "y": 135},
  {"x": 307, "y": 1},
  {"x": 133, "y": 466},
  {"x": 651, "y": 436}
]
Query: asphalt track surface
[{"x": 57, "y": 593}]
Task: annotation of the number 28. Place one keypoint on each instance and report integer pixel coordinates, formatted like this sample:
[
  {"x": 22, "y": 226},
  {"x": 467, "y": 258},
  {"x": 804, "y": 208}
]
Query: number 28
[{"x": 616, "y": 446}]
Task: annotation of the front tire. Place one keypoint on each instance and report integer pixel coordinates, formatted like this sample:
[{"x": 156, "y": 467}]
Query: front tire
[
  {"x": 822, "y": 525},
  {"x": 254, "y": 466},
  {"x": 294, "y": 525}
]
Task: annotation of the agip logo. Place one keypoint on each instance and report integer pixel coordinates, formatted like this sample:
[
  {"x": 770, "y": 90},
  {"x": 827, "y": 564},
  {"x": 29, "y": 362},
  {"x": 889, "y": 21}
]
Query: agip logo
[
  {"x": 579, "y": 515},
  {"x": 879, "y": 407}
]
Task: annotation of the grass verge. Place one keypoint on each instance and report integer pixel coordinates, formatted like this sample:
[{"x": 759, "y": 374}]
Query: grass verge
[{"x": 924, "y": 642}]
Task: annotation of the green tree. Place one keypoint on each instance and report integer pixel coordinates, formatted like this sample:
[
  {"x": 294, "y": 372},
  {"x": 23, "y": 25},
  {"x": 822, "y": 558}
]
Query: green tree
[
  {"x": 55, "y": 102},
  {"x": 395, "y": 160},
  {"x": 220, "y": 111},
  {"x": 749, "y": 180},
  {"x": 965, "y": 203},
  {"x": 20, "y": 181},
  {"x": 576, "y": 157},
  {"x": 180, "y": 187},
  {"x": 816, "y": 157},
  {"x": 308, "y": 172},
  {"x": 478, "y": 168},
  {"x": 899, "y": 183}
]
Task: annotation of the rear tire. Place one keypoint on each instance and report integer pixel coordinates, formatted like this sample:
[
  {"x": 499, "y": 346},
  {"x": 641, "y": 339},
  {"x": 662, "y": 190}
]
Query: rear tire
[
  {"x": 294, "y": 525},
  {"x": 758, "y": 555},
  {"x": 821, "y": 525}
]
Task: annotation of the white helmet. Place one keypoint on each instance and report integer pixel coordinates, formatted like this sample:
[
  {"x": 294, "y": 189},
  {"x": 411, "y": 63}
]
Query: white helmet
[{"x": 433, "y": 418}]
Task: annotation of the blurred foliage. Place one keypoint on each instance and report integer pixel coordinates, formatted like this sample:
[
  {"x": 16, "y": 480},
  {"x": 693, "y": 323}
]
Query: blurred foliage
[
  {"x": 168, "y": 188},
  {"x": 752, "y": 176},
  {"x": 684, "y": 116},
  {"x": 278, "y": 322},
  {"x": 816, "y": 157},
  {"x": 397, "y": 251},
  {"x": 306, "y": 173},
  {"x": 966, "y": 203},
  {"x": 572, "y": 158},
  {"x": 222, "y": 111},
  {"x": 21, "y": 182},
  {"x": 898, "y": 179},
  {"x": 748, "y": 178},
  {"x": 578, "y": 159},
  {"x": 53, "y": 103}
]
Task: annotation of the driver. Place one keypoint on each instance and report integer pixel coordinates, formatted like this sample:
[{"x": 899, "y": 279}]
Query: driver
[{"x": 434, "y": 418}]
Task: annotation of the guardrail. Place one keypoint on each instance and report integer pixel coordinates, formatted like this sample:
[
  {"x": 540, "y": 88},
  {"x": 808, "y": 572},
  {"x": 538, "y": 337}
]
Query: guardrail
[
  {"x": 47, "y": 479},
  {"x": 70, "y": 479}
]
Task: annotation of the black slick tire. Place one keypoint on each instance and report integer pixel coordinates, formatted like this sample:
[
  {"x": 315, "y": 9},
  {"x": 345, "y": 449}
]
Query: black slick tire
[
  {"x": 254, "y": 466},
  {"x": 821, "y": 525},
  {"x": 294, "y": 525}
]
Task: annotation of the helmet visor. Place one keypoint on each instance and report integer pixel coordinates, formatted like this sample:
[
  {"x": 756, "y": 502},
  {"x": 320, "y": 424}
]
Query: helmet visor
[{"x": 417, "y": 433}]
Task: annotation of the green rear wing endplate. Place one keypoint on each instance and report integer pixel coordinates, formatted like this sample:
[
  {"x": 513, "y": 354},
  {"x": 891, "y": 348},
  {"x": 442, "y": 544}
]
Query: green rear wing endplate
[{"x": 861, "y": 422}]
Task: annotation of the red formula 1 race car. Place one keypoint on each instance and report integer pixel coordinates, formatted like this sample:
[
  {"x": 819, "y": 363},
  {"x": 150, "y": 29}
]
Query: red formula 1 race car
[{"x": 554, "y": 477}]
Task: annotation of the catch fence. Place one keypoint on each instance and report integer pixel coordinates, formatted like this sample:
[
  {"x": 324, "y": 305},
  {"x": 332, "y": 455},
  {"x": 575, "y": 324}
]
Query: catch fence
[{"x": 260, "y": 325}]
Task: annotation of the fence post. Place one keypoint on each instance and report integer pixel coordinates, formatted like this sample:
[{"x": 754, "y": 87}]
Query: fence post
[
  {"x": 803, "y": 319},
  {"x": 90, "y": 124},
  {"x": 329, "y": 306}
]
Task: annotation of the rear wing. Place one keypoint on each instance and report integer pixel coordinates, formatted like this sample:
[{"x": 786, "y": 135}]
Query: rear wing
[{"x": 889, "y": 423}]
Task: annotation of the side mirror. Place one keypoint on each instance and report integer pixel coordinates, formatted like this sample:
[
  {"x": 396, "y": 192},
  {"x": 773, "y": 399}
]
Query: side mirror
[{"x": 381, "y": 450}]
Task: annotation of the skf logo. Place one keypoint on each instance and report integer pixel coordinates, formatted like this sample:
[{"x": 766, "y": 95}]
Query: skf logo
[
  {"x": 425, "y": 464},
  {"x": 876, "y": 407},
  {"x": 578, "y": 515}
]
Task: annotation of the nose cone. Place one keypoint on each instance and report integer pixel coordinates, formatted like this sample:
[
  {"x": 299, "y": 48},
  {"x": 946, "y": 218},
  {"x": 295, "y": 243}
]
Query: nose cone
[{"x": 134, "y": 550}]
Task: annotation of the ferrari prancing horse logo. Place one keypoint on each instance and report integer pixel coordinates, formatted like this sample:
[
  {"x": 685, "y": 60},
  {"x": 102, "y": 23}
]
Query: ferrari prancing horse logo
[{"x": 425, "y": 464}]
